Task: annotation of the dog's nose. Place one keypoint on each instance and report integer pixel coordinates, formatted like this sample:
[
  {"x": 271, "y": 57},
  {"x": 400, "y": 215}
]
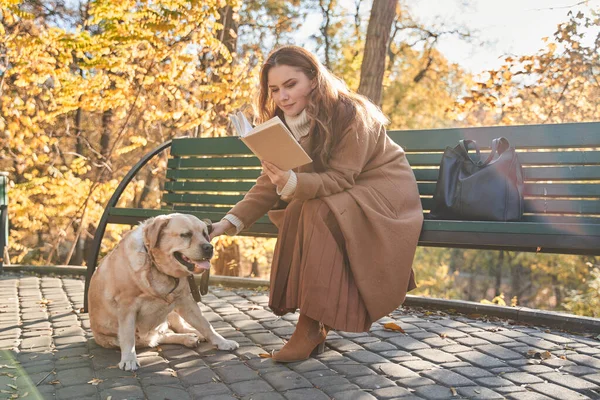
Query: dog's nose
[{"x": 207, "y": 249}]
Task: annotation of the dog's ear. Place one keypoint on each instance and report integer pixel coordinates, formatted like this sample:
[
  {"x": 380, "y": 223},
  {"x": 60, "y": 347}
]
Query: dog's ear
[
  {"x": 208, "y": 223},
  {"x": 153, "y": 230}
]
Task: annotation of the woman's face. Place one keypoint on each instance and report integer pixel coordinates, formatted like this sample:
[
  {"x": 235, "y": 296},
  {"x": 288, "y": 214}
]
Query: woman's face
[{"x": 290, "y": 88}]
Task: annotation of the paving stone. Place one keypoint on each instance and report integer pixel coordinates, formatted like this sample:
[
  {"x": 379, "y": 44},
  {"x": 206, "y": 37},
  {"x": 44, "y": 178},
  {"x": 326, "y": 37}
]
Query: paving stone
[
  {"x": 379, "y": 346},
  {"x": 472, "y": 372},
  {"x": 391, "y": 392},
  {"x": 76, "y": 392},
  {"x": 586, "y": 361},
  {"x": 593, "y": 378},
  {"x": 196, "y": 375},
  {"x": 326, "y": 381},
  {"x": 499, "y": 352},
  {"x": 407, "y": 343},
  {"x": 128, "y": 392},
  {"x": 434, "y": 392},
  {"x": 538, "y": 343},
  {"x": 372, "y": 382},
  {"x": 74, "y": 376},
  {"x": 536, "y": 369},
  {"x": 528, "y": 396},
  {"x": 557, "y": 392},
  {"x": 394, "y": 371},
  {"x": 353, "y": 395},
  {"x": 492, "y": 337},
  {"x": 208, "y": 389},
  {"x": 332, "y": 390},
  {"x": 569, "y": 381},
  {"x": 166, "y": 392},
  {"x": 436, "y": 356},
  {"x": 264, "y": 396},
  {"x": 236, "y": 373},
  {"x": 302, "y": 394},
  {"x": 251, "y": 387},
  {"x": 472, "y": 341},
  {"x": 419, "y": 365},
  {"x": 307, "y": 366},
  {"x": 481, "y": 360},
  {"x": 479, "y": 393},
  {"x": 286, "y": 380},
  {"x": 493, "y": 382},
  {"x": 350, "y": 370},
  {"x": 343, "y": 345},
  {"x": 447, "y": 378},
  {"x": 264, "y": 338},
  {"x": 521, "y": 378},
  {"x": 365, "y": 357}
]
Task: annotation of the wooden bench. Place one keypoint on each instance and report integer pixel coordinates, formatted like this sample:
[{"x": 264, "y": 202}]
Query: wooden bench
[{"x": 561, "y": 164}]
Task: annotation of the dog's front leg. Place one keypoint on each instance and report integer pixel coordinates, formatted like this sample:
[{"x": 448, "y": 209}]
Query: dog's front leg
[
  {"x": 191, "y": 313},
  {"x": 129, "y": 361}
]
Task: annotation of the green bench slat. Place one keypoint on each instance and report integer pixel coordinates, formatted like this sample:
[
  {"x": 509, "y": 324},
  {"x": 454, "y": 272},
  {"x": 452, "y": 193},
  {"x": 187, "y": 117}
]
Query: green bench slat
[
  {"x": 211, "y": 162},
  {"x": 205, "y": 202},
  {"x": 425, "y": 188},
  {"x": 213, "y": 174},
  {"x": 573, "y": 173},
  {"x": 208, "y": 186},
  {"x": 170, "y": 198},
  {"x": 579, "y": 135},
  {"x": 530, "y": 228},
  {"x": 208, "y": 146},
  {"x": 550, "y": 173},
  {"x": 453, "y": 226},
  {"x": 526, "y": 158},
  {"x": 541, "y": 206}
]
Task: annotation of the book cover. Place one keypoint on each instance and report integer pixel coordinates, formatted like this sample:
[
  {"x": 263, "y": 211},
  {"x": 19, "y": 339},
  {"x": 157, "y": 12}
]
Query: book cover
[{"x": 271, "y": 141}]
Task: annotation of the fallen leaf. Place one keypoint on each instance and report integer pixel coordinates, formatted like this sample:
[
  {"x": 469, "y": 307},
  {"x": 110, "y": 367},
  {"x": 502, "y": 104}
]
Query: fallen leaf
[
  {"x": 12, "y": 386},
  {"x": 563, "y": 357},
  {"x": 546, "y": 355},
  {"x": 25, "y": 394},
  {"x": 96, "y": 381},
  {"x": 394, "y": 327},
  {"x": 477, "y": 391},
  {"x": 443, "y": 335},
  {"x": 265, "y": 355},
  {"x": 454, "y": 392},
  {"x": 109, "y": 398}
]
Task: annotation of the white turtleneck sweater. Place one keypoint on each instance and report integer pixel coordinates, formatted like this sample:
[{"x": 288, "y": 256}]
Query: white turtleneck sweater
[{"x": 300, "y": 127}]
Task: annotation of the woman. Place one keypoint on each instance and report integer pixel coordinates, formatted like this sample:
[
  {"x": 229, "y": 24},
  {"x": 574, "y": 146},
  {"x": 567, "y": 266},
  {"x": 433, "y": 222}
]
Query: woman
[{"x": 348, "y": 222}]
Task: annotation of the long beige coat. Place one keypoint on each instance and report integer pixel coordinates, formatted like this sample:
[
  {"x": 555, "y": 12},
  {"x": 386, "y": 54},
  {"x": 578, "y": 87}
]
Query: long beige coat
[{"x": 372, "y": 191}]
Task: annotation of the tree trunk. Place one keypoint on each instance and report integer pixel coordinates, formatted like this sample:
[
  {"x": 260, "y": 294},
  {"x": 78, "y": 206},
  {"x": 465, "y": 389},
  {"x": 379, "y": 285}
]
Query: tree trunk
[
  {"x": 376, "y": 44},
  {"x": 105, "y": 137},
  {"x": 499, "y": 273}
]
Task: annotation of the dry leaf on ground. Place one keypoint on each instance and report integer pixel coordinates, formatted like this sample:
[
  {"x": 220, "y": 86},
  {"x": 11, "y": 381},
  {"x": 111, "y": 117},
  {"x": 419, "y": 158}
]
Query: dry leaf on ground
[{"x": 394, "y": 327}]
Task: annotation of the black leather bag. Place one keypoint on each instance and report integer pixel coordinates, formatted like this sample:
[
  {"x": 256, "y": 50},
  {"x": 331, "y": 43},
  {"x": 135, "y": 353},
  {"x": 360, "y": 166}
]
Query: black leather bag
[{"x": 490, "y": 190}]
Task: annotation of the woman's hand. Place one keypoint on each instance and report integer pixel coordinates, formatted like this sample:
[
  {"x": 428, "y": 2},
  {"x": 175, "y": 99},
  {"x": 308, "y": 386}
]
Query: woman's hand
[
  {"x": 219, "y": 228},
  {"x": 277, "y": 176}
]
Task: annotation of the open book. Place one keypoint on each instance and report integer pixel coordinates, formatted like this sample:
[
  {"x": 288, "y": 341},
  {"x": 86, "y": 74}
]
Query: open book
[{"x": 271, "y": 141}]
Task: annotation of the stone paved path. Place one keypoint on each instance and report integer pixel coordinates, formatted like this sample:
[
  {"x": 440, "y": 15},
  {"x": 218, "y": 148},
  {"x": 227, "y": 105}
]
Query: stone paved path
[{"x": 47, "y": 352}]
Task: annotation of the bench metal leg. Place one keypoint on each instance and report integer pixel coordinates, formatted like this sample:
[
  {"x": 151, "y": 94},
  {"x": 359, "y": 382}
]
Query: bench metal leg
[
  {"x": 3, "y": 238},
  {"x": 92, "y": 260}
]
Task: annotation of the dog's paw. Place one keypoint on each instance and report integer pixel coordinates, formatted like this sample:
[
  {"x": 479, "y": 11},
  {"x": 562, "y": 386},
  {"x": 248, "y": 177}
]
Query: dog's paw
[
  {"x": 129, "y": 364},
  {"x": 225, "y": 344},
  {"x": 191, "y": 341}
]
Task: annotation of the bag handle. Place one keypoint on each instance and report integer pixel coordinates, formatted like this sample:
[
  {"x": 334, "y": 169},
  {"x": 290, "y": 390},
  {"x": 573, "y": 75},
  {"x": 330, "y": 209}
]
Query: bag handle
[
  {"x": 499, "y": 145},
  {"x": 465, "y": 144}
]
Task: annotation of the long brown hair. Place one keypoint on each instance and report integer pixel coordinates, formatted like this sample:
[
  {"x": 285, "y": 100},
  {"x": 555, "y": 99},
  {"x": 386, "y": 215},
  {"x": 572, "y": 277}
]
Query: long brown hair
[{"x": 332, "y": 108}]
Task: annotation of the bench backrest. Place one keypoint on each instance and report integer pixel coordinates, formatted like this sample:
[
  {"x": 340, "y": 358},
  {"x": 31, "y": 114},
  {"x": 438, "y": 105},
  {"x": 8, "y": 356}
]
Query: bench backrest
[{"x": 561, "y": 165}]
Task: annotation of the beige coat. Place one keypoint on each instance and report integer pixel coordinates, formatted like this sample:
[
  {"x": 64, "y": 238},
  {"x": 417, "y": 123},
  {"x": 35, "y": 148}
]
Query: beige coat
[{"x": 372, "y": 191}]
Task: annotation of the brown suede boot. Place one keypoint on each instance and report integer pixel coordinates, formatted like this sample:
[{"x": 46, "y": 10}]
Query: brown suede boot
[{"x": 308, "y": 338}]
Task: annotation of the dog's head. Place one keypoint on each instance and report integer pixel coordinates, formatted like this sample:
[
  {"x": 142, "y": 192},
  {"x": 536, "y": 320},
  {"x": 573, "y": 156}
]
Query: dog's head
[{"x": 178, "y": 243}]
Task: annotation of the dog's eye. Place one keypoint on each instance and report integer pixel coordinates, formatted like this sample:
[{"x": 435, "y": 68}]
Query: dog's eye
[{"x": 187, "y": 235}]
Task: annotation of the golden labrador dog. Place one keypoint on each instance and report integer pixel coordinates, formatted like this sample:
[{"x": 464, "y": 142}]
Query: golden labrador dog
[{"x": 140, "y": 297}]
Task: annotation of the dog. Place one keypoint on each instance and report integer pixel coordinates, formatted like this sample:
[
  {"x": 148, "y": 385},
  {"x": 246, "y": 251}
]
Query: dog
[{"x": 140, "y": 297}]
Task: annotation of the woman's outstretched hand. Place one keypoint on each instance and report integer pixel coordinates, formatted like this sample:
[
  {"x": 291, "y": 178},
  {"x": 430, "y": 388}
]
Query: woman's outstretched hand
[
  {"x": 219, "y": 228},
  {"x": 277, "y": 176}
]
